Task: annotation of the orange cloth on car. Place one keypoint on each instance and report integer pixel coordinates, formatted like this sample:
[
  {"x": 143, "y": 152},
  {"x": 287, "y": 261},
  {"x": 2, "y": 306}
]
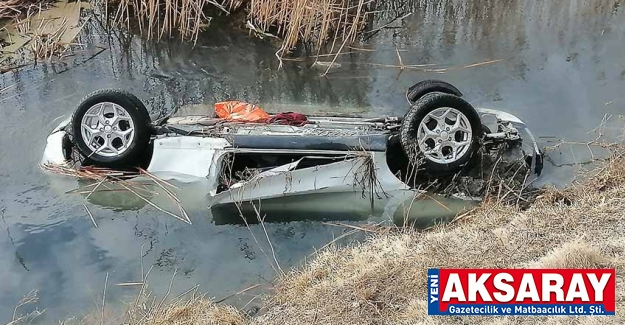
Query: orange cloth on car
[{"x": 240, "y": 111}]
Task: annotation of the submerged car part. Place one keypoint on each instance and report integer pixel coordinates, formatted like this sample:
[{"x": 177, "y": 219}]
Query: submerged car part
[{"x": 336, "y": 157}]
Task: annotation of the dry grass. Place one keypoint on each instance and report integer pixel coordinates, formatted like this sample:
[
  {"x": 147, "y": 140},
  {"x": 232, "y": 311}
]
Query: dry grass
[
  {"x": 193, "y": 310},
  {"x": 162, "y": 17},
  {"x": 316, "y": 21},
  {"x": 41, "y": 31},
  {"x": 109, "y": 180},
  {"x": 383, "y": 281},
  {"x": 15, "y": 8},
  {"x": 295, "y": 21}
]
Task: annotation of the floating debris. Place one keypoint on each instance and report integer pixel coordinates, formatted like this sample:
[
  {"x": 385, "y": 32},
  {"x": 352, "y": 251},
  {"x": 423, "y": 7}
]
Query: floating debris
[{"x": 107, "y": 180}]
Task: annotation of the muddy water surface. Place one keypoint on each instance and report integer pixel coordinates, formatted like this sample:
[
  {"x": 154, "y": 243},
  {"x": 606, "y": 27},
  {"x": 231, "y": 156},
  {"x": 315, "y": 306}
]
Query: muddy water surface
[{"x": 563, "y": 70}]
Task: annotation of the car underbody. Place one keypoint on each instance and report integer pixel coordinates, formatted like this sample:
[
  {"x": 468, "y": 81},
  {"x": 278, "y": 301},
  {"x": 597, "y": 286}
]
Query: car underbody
[{"x": 290, "y": 169}]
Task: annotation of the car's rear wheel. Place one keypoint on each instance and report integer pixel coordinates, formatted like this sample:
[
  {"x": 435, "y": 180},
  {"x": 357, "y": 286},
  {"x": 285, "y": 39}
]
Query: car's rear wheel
[
  {"x": 111, "y": 128},
  {"x": 428, "y": 86},
  {"x": 442, "y": 129}
]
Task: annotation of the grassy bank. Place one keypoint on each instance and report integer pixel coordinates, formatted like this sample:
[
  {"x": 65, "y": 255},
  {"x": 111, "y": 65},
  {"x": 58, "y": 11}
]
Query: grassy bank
[{"x": 383, "y": 280}]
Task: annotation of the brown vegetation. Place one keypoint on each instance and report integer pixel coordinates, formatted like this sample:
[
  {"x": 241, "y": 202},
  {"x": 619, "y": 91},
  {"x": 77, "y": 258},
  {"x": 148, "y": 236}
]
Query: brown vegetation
[
  {"x": 296, "y": 21},
  {"x": 38, "y": 30},
  {"x": 317, "y": 21},
  {"x": 162, "y": 17},
  {"x": 193, "y": 311},
  {"x": 109, "y": 180},
  {"x": 16, "y": 8},
  {"x": 187, "y": 309}
]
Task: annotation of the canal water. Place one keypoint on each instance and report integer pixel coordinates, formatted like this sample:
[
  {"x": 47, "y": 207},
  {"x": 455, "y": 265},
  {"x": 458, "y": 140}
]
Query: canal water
[{"x": 561, "y": 71}]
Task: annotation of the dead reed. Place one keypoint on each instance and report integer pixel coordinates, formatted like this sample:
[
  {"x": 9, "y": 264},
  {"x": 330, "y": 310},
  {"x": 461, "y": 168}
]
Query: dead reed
[
  {"x": 310, "y": 21},
  {"x": 158, "y": 18},
  {"x": 45, "y": 41},
  {"x": 20, "y": 317},
  {"x": 44, "y": 32},
  {"x": 16, "y": 8},
  {"x": 190, "y": 307},
  {"x": 295, "y": 21},
  {"x": 109, "y": 180}
]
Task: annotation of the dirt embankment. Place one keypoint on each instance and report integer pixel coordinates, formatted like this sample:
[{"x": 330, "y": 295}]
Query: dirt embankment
[{"x": 383, "y": 280}]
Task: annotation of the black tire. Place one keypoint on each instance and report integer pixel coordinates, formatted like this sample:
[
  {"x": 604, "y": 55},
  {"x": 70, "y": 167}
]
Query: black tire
[
  {"x": 140, "y": 118},
  {"x": 138, "y": 103},
  {"x": 418, "y": 111},
  {"x": 428, "y": 86}
]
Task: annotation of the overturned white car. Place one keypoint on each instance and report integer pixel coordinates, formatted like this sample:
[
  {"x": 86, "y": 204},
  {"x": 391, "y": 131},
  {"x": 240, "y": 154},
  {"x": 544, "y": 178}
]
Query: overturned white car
[{"x": 294, "y": 168}]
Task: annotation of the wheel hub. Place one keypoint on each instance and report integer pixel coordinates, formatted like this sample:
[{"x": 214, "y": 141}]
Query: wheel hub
[
  {"x": 107, "y": 129},
  {"x": 444, "y": 135}
]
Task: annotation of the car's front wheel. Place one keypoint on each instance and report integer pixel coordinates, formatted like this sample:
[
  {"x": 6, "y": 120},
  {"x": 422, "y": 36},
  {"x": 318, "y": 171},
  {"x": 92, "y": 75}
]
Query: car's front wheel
[
  {"x": 443, "y": 129},
  {"x": 111, "y": 128}
]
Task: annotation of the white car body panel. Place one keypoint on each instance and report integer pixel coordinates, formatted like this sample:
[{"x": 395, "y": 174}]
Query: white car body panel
[
  {"x": 186, "y": 157},
  {"x": 349, "y": 175},
  {"x": 504, "y": 116},
  {"x": 53, "y": 152}
]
